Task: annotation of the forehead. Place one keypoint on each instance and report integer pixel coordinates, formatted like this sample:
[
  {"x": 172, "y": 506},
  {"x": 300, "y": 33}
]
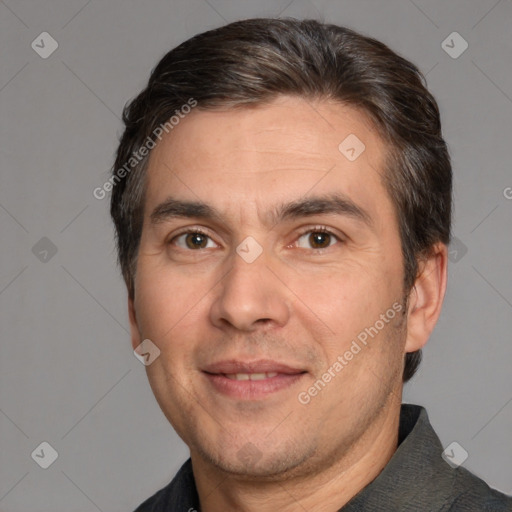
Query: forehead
[{"x": 281, "y": 150}]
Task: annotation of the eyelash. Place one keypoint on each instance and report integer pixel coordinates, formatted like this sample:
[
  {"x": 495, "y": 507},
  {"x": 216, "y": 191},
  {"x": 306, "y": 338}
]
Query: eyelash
[{"x": 315, "y": 229}]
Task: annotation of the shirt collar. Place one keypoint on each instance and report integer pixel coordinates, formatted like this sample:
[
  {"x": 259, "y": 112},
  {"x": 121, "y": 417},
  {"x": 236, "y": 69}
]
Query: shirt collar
[{"x": 415, "y": 477}]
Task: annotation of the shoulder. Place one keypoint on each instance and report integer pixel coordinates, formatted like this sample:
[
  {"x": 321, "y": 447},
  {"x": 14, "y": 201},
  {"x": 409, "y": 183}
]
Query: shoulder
[
  {"x": 180, "y": 494},
  {"x": 471, "y": 494},
  {"x": 426, "y": 478},
  {"x": 157, "y": 502}
]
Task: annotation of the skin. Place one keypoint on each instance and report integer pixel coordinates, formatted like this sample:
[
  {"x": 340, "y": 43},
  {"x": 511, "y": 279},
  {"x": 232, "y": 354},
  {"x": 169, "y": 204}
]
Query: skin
[{"x": 297, "y": 303}]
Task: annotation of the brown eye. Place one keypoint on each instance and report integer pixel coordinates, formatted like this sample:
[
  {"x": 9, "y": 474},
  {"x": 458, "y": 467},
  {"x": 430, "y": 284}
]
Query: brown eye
[
  {"x": 193, "y": 240},
  {"x": 317, "y": 239},
  {"x": 196, "y": 240}
]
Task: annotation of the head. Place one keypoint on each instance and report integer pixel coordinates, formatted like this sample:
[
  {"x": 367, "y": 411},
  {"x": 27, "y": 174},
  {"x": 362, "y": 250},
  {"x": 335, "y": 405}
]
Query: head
[{"x": 260, "y": 111}]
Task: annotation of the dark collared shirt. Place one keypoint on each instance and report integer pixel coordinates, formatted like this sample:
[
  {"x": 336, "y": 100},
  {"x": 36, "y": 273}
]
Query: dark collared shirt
[{"x": 416, "y": 479}]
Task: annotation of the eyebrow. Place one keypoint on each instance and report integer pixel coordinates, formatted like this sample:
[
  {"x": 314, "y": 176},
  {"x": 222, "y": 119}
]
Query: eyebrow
[{"x": 337, "y": 204}]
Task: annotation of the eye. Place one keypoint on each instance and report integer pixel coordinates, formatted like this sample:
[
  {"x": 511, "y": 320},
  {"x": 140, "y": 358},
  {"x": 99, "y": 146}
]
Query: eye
[
  {"x": 193, "y": 240},
  {"x": 318, "y": 238}
]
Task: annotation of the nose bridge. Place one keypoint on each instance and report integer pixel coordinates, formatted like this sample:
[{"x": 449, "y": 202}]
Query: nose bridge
[{"x": 249, "y": 292}]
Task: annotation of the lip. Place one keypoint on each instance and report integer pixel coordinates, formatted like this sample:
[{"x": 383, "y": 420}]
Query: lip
[{"x": 286, "y": 376}]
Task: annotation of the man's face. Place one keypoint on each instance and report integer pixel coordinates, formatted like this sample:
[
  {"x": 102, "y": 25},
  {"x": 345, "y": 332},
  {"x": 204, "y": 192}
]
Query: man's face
[{"x": 246, "y": 327}]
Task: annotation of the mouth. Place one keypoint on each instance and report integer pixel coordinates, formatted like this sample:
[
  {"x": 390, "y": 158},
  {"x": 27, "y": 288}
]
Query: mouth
[{"x": 255, "y": 380}]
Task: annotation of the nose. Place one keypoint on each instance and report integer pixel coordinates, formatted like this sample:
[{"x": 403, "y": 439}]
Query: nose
[{"x": 250, "y": 296}]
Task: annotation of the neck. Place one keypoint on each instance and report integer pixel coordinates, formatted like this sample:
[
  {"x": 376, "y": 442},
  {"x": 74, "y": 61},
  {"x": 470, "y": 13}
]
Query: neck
[{"x": 319, "y": 489}]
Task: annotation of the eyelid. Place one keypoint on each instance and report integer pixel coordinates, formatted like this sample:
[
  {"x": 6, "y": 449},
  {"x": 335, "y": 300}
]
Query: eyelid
[{"x": 322, "y": 229}]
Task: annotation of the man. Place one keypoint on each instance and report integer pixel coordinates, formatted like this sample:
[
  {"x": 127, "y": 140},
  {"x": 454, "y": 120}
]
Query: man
[{"x": 282, "y": 201}]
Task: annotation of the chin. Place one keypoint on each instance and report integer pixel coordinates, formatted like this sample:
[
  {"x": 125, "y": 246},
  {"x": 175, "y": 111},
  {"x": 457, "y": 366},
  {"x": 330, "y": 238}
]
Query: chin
[{"x": 250, "y": 462}]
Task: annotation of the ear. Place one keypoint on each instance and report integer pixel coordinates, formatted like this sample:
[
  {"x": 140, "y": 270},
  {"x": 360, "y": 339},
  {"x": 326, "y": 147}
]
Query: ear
[
  {"x": 426, "y": 298},
  {"x": 134, "y": 328}
]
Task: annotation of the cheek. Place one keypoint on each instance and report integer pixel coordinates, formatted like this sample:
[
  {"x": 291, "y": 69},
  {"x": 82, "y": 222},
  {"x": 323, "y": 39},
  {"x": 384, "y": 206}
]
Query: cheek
[
  {"x": 338, "y": 306},
  {"x": 169, "y": 312},
  {"x": 343, "y": 295},
  {"x": 164, "y": 301}
]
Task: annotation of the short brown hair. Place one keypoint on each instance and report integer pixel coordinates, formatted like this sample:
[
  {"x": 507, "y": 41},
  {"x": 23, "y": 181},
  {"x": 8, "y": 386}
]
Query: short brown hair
[{"x": 251, "y": 62}]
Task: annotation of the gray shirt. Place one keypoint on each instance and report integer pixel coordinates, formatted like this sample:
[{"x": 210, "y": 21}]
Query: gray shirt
[{"x": 415, "y": 479}]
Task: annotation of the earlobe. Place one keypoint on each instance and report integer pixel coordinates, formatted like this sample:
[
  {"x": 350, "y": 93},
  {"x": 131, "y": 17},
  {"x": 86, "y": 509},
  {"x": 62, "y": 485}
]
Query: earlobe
[
  {"x": 426, "y": 298},
  {"x": 134, "y": 329}
]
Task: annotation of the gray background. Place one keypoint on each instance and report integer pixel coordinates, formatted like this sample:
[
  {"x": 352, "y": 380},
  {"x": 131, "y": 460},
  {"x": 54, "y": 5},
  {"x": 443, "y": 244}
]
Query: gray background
[{"x": 68, "y": 375}]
